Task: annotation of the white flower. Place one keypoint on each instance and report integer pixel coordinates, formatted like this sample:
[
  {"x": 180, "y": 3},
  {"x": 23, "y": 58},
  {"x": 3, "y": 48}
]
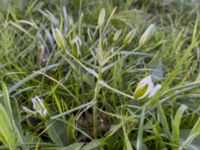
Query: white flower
[
  {"x": 145, "y": 88},
  {"x": 38, "y": 106}
]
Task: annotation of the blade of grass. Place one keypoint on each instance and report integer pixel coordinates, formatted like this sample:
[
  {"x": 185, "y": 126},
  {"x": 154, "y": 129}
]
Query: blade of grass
[{"x": 176, "y": 123}]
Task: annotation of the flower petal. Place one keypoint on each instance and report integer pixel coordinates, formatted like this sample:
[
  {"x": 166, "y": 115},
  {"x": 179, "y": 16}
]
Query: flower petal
[{"x": 154, "y": 90}]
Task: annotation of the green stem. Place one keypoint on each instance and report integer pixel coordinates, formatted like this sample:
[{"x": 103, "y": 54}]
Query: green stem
[{"x": 97, "y": 88}]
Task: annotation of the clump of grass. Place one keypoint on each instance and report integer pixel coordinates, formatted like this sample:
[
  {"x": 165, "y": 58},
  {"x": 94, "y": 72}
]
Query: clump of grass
[{"x": 81, "y": 63}]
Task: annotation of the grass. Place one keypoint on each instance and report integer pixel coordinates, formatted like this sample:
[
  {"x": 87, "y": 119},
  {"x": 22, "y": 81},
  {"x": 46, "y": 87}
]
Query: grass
[{"x": 82, "y": 61}]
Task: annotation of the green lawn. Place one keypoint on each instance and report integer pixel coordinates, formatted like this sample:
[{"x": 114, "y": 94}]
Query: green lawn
[{"x": 100, "y": 74}]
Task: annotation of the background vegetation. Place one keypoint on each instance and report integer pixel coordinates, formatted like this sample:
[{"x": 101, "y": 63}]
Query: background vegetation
[{"x": 87, "y": 83}]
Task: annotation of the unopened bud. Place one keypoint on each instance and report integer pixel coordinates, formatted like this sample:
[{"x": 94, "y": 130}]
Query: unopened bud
[
  {"x": 147, "y": 35},
  {"x": 59, "y": 38}
]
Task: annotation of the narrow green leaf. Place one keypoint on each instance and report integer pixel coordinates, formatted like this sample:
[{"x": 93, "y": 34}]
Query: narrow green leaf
[
  {"x": 7, "y": 134},
  {"x": 163, "y": 119},
  {"x": 195, "y": 31},
  {"x": 31, "y": 76},
  {"x": 16, "y": 116},
  {"x": 92, "y": 145},
  {"x": 176, "y": 123},
  {"x": 6, "y": 100},
  {"x": 127, "y": 142},
  {"x": 193, "y": 134},
  {"x": 52, "y": 132},
  {"x": 70, "y": 130},
  {"x": 89, "y": 104},
  {"x": 7, "y": 104},
  {"x": 74, "y": 146}
]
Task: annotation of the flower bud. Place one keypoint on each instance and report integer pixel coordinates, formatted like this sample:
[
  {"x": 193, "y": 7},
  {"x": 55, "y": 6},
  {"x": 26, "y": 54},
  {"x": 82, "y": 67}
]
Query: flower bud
[
  {"x": 147, "y": 35},
  {"x": 59, "y": 38},
  {"x": 101, "y": 17},
  {"x": 77, "y": 44},
  {"x": 129, "y": 36},
  {"x": 117, "y": 35}
]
